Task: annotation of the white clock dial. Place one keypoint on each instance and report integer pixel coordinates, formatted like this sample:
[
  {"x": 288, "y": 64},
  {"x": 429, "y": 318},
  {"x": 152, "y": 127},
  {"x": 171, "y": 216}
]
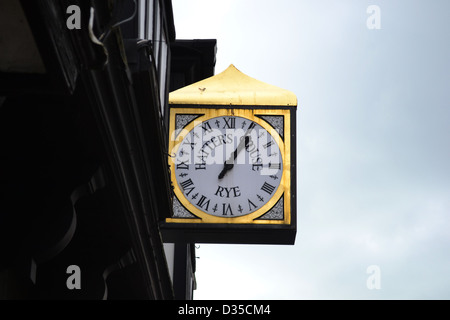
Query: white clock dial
[{"x": 228, "y": 166}]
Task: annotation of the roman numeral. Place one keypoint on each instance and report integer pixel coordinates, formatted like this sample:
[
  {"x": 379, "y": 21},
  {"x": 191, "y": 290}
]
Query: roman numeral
[
  {"x": 274, "y": 165},
  {"x": 268, "y": 144},
  {"x": 186, "y": 185},
  {"x": 206, "y": 127},
  {"x": 183, "y": 166},
  {"x": 188, "y": 142},
  {"x": 251, "y": 126},
  {"x": 250, "y": 205},
  {"x": 226, "y": 208},
  {"x": 202, "y": 202},
  {"x": 229, "y": 123},
  {"x": 268, "y": 188}
]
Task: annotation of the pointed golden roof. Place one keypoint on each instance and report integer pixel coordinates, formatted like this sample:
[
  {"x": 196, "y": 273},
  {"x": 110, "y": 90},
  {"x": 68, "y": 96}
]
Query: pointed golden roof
[{"x": 232, "y": 87}]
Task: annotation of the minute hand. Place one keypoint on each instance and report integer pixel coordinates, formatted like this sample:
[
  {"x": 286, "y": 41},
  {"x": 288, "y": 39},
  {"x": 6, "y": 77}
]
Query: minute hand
[{"x": 229, "y": 164}]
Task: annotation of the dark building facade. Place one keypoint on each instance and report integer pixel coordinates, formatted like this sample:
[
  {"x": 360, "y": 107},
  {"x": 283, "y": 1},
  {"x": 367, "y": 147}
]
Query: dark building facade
[
  {"x": 84, "y": 178},
  {"x": 191, "y": 61}
]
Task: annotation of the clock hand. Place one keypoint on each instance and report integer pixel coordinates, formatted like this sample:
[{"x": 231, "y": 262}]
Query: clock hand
[
  {"x": 229, "y": 164},
  {"x": 226, "y": 167}
]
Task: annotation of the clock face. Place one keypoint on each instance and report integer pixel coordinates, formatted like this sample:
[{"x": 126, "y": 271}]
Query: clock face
[{"x": 228, "y": 166}]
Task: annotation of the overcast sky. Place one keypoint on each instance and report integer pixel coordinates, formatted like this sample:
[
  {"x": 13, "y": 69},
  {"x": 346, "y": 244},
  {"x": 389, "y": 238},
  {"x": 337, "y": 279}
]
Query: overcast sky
[{"x": 373, "y": 131}]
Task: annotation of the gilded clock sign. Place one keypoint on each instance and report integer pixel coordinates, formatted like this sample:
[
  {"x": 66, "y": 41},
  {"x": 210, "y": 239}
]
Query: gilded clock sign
[{"x": 231, "y": 164}]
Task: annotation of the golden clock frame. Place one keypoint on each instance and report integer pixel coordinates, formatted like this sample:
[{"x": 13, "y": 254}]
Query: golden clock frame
[{"x": 284, "y": 188}]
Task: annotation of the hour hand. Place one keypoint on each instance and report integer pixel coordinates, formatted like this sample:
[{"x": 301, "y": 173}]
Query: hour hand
[{"x": 226, "y": 167}]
